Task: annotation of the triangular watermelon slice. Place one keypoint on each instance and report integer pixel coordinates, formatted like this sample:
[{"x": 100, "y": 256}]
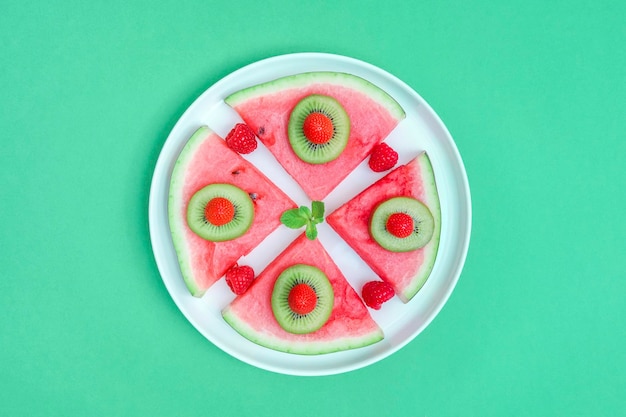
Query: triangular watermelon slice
[
  {"x": 349, "y": 325},
  {"x": 266, "y": 109},
  {"x": 204, "y": 160},
  {"x": 408, "y": 271}
]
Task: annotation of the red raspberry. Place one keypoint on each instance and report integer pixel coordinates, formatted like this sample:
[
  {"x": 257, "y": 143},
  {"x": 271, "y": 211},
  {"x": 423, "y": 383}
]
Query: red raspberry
[
  {"x": 382, "y": 158},
  {"x": 400, "y": 225},
  {"x": 375, "y": 293},
  {"x": 302, "y": 299},
  {"x": 241, "y": 139},
  {"x": 239, "y": 278}
]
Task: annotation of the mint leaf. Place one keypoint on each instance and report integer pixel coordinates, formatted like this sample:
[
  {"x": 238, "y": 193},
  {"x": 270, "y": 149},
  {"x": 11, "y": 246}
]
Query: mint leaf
[
  {"x": 305, "y": 212},
  {"x": 316, "y": 220},
  {"x": 293, "y": 219},
  {"x": 318, "y": 210},
  {"x": 304, "y": 216},
  {"x": 311, "y": 231}
]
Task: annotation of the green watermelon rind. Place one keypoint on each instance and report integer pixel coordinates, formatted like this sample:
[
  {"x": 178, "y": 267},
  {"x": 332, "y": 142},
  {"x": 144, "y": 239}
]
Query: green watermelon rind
[
  {"x": 307, "y": 78},
  {"x": 432, "y": 247},
  {"x": 175, "y": 205},
  {"x": 300, "y": 348}
]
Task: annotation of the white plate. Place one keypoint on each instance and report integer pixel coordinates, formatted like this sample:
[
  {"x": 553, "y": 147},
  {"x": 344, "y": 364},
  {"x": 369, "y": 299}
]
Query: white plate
[{"x": 421, "y": 130}]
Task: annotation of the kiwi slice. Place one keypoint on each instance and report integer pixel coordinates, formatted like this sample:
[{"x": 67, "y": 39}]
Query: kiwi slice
[
  {"x": 293, "y": 315},
  {"x": 240, "y": 216},
  {"x": 312, "y": 151},
  {"x": 423, "y": 224}
]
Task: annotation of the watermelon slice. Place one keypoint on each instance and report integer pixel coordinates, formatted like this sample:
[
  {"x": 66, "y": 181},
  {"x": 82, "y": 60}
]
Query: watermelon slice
[
  {"x": 349, "y": 325},
  {"x": 266, "y": 109},
  {"x": 204, "y": 160},
  {"x": 408, "y": 271}
]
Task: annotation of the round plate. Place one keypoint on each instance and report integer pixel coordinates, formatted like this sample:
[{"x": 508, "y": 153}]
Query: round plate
[{"x": 421, "y": 130}]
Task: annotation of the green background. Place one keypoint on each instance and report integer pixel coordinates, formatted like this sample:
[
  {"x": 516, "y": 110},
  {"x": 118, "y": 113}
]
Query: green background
[{"x": 534, "y": 94}]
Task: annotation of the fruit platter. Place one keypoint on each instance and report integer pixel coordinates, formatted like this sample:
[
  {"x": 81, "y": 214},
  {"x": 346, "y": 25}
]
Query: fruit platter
[{"x": 310, "y": 214}]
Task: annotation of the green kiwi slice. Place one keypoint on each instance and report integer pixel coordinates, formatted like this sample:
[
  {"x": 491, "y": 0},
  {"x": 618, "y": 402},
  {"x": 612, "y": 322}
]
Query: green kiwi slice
[
  {"x": 316, "y": 279},
  {"x": 423, "y": 224},
  {"x": 239, "y": 224},
  {"x": 318, "y": 153}
]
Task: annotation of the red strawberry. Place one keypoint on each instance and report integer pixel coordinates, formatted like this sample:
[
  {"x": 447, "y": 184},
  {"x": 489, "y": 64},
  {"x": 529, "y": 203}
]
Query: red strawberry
[
  {"x": 302, "y": 299},
  {"x": 375, "y": 293},
  {"x": 400, "y": 225},
  {"x": 219, "y": 211},
  {"x": 318, "y": 128},
  {"x": 382, "y": 158},
  {"x": 241, "y": 139},
  {"x": 239, "y": 278}
]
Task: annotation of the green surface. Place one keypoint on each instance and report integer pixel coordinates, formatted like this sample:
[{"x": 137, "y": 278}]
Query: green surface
[{"x": 534, "y": 94}]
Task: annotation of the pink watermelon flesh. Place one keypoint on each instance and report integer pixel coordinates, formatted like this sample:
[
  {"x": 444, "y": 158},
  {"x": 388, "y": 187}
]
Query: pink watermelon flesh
[
  {"x": 266, "y": 109},
  {"x": 406, "y": 272},
  {"x": 349, "y": 325},
  {"x": 204, "y": 160}
]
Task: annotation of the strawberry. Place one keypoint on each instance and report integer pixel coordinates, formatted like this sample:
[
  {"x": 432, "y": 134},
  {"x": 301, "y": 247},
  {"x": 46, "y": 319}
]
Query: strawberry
[
  {"x": 219, "y": 211},
  {"x": 400, "y": 225},
  {"x": 241, "y": 139},
  {"x": 318, "y": 128},
  {"x": 375, "y": 293},
  {"x": 239, "y": 278},
  {"x": 383, "y": 158},
  {"x": 302, "y": 299}
]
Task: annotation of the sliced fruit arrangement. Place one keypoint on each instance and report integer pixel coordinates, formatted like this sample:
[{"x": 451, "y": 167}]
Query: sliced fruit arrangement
[
  {"x": 301, "y": 303},
  {"x": 394, "y": 225},
  {"x": 318, "y": 125},
  {"x": 220, "y": 208}
]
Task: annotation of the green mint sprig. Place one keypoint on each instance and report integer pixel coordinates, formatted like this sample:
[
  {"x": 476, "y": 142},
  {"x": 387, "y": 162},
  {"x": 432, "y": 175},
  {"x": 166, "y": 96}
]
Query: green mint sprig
[{"x": 304, "y": 216}]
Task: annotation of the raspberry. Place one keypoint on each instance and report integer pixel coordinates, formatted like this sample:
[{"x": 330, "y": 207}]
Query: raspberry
[
  {"x": 375, "y": 293},
  {"x": 302, "y": 299},
  {"x": 382, "y": 158},
  {"x": 318, "y": 128},
  {"x": 219, "y": 211},
  {"x": 241, "y": 139},
  {"x": 239, "y": 278},
  {"x": 400, "y": 225}
]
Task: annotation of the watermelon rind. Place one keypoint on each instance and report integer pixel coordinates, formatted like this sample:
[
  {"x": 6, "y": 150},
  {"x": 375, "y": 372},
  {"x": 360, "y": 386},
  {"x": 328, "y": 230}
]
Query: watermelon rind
[
  {"x": 175, "y": 202},
  {"x": 307, "y": 78},
  {"x": 432, "y": 247},
  {"x": 301, "y": 348}
]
